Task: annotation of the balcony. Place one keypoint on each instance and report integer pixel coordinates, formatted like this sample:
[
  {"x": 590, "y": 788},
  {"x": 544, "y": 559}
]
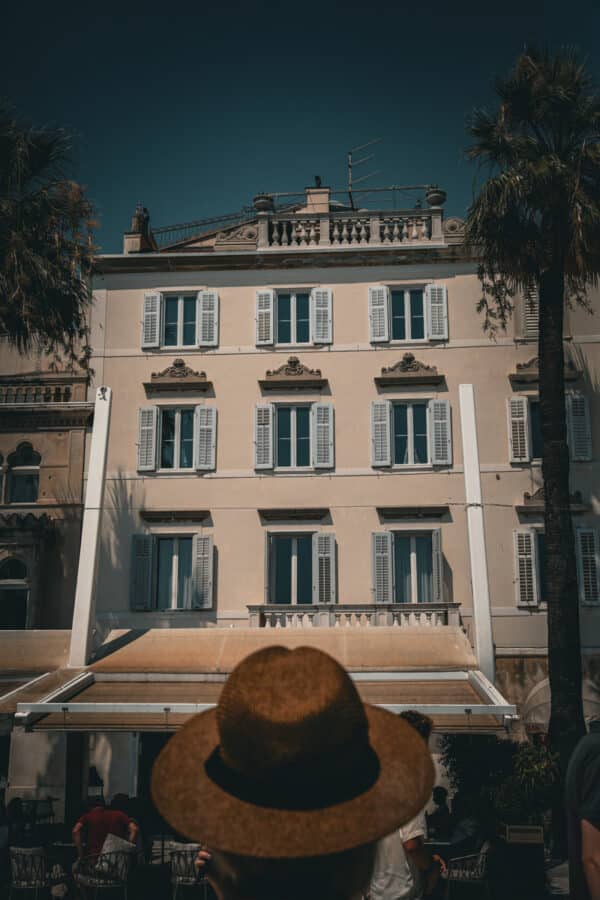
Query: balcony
[
  {"x": 35, "y": 393},
  {"x": 349, "y": 615}
]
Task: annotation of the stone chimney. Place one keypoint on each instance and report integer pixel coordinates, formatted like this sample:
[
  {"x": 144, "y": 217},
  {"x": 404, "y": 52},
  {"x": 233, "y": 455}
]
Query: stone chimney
[
  {"x": 139, "y": 239},
  {"x": 317, "y": 198}
]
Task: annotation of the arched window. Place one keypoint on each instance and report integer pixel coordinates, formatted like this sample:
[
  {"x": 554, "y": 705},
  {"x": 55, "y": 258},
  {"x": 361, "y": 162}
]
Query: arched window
[
  {"x": 23, "y": 475},
  {"x": 14, "y": 593}
]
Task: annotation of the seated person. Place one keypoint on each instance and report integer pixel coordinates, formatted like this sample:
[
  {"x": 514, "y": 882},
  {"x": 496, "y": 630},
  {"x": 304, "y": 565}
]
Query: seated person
[
  {"x": 92, "y": 828},
  {"x": 439, "y": 822}
]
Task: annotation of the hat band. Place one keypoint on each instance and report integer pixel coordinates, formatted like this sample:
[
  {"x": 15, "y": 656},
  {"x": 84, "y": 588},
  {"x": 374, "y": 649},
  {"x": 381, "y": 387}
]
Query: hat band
[{"x": 298, "y": 787}]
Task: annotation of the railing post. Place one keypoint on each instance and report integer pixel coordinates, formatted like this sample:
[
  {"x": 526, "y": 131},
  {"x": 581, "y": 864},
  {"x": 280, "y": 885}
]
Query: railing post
[
  {"x": 374, "y": 228},
  {"x": 263, "y": 230},
  {"x": 436, "y": 225},
  {"x": 324, "y": 238}
]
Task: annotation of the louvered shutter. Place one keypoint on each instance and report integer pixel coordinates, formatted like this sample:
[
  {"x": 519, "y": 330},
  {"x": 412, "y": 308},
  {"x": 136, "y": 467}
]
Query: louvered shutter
[
  {"x": 151, "y": 317},
  {"x": 381, "y": 449},
  {"x": 436, "y": 300},
  {"x": 440, "y": 432},
  {"x": 526, "y": 573},
  {"x": 579, "y": 427},
  {"x": 202, "y": 561},
  {"x": 147, "y": 430},
  {"x": 323, "y": 551},
  {"x": 263, "y": 436},
  {"x": 379, "y": 326},
  {"x": 142, "y": 572},
  {"x": 588, "y": 565},
  {"x": 383, "y": 587},
  {"x": 265, "y": 302},
  {"x": 321, "y": 315},
  {"x": 530, "y": 315},
  {"x": 518, "y": 429},
  {"x": 207, "y": 319},
  {"x": 205, "y": 424},
  {"x": 437, "y": 567},
  {"x": 322, "y": 435}
]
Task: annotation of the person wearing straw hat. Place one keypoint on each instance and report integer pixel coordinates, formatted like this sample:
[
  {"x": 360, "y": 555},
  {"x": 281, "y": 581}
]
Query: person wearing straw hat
[{"x": 291, "y": 780}]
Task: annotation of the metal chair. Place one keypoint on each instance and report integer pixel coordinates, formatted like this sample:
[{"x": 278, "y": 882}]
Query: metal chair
[
  {"x": 470, "y": 870},
  {"x": 108, "y": 871},
  {"x": 28, "y": 870},
  {"x": 184, "y": 873}
]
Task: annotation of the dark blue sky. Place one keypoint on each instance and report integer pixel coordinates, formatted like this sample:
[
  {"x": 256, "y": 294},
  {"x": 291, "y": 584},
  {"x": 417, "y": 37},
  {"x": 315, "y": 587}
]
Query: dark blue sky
[{"x": 195, "y": 112}]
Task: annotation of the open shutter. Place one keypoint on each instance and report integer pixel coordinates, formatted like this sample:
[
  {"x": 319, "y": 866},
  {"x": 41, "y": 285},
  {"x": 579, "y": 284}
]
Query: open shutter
[
  {"x": 202, "y": 594},
  {"x": 151, "y": 320},
  {"x": 588, "y": 565},
  {"x": 526, "y": 574},
  {"x": 437, "y": 567},
  {"x": 436, "y": 300},
  {"x": 530, "y": 315},
  {"x": 265, "y": 301},
  {"x": 207, "y": 319},
  {"x": 440, "y": 432},
  {"x": 141, "y": 572},
  {"x": 518, "y": 429},
  {"x": 579, "y": 427},
  {"x": 323, "y": 550},
  {"x": 381, "y": 449},
  {"x": 263, "y": 436},
  {"x": 322, "y": 435},
  {"x": 147, "y": 430},
  {"x": 383, "y": 586},
  {"x": 379, "y": 326},
  {"x": 206, "y": 437},
  {"x": 321, "y": 303}
]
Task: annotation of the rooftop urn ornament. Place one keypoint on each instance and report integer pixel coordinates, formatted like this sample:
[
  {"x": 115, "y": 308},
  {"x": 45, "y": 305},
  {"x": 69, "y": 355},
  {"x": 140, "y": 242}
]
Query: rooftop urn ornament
[
  {"x": 435, "y": 196},
  {"x": 263, "y": 203}
]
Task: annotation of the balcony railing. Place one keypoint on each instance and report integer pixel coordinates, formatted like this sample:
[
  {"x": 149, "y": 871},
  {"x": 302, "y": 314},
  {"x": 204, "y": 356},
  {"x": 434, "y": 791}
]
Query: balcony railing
[
  {"x": 348, "y": 615},
  {"x": 35, "y": 393}
]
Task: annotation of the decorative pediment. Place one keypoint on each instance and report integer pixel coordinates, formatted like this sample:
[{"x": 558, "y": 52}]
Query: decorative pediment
[
  {"x": 529, "y": 372},
  {"x": 533, "y": 503},
  {"x": 293, "y": 375},
  {"x": 408, "y": 370},
  {"x": 242, "y": 238},
  {"x": 177, "y": 377}
]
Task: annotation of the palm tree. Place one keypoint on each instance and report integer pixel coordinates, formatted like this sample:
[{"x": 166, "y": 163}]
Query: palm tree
[
  {"x": 46, "y": 252},
  {"x": 536, "y": 224}
]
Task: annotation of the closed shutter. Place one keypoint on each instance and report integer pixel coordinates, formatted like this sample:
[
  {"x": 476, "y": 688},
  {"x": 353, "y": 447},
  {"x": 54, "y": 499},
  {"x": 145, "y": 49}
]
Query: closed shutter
[
  {"x": 526, "y": 574},
  {"x": 147, "y": 429},
  {"x": 588, "y": 565},
  {"x": 322, "y": 435},
  {"x": 265, "y": 301},
  {"x": 202, "y": 561},
  {"x": 379, "y": 326},
  {"x": 383, "y": 587},
  {"x": 579, "y": 427},
  {"x": 381, "y": 450},
  {"x": 437, "y": 567},
  {"x": 207, "y": 319},
  {"x": 436, "y": 299},
  {"x": 440, "y": 432},
  {"x": 323, "y": 550},
  {"x": 151, "y": 320},
  {"x": 321, "y": 300},
  {"x": 141, "y": 594},
  {"x": 205, "y": 422},
  {"x": 530, "y": 315},
  {"x": 518, "y": 429},
  {"x": 263, "y": 436}
]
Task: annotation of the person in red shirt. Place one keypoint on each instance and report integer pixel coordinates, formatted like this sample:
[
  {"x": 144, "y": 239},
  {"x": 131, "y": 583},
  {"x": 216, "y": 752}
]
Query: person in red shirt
[{"x": 92, "y": 828}]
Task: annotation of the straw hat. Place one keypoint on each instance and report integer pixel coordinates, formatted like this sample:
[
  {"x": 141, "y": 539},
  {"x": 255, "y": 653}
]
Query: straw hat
[{"x": 291, "y": 763}]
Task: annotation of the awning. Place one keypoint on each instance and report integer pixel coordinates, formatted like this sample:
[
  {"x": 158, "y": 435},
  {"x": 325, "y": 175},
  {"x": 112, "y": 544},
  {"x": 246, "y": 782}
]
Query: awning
[
  {"x": 30, "y": 666},
  {"x": 536, "y": 709}
]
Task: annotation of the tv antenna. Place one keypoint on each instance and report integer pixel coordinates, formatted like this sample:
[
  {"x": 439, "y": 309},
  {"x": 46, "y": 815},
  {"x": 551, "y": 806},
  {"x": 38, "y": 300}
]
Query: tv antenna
[{"x": 352, "y": 182}]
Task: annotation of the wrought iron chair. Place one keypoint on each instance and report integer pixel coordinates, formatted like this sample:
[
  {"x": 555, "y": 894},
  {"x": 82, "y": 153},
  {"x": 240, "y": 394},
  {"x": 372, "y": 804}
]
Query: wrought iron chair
[
  {"x": 183, "y": 870},
  {"x": 28, "y": 870},
  {"x": 470, "y": 870},
  {"x": 107, "y": 871}
]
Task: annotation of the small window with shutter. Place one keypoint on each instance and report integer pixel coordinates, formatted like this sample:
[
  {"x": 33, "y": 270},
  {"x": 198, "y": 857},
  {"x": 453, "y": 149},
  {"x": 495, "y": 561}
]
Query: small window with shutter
[
  {"x": 408, "y": 567},
  {"x": 151, "y": 320},
  {"x": 302, "y": 568},
  {"x": 172, "y": 572},
  {"x": 527, "y": 571},
  {"x": 579, "y": 429},
  {"x": 207, "y": 319},
  {"x": 530, "y": 315},
  {"x": 181, "y": 438},
  {"x": 412, "y": 433},
  {"x": 408, "y": 313},
  {"x": 299, "y": 436},
  {"x": 588, "y": 565},
  {"x": 518, "y": 429}
]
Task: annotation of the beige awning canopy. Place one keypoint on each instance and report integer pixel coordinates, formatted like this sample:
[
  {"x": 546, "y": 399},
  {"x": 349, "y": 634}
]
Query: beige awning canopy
[
  {"x": 30, "y": 666},
  {"x": 536, "y": 709}
]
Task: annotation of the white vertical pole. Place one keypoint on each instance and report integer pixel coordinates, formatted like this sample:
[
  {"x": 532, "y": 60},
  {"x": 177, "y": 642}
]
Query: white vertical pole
[
  {"x": 482, "y": 616},
  {"x": 84, "y": 611}
]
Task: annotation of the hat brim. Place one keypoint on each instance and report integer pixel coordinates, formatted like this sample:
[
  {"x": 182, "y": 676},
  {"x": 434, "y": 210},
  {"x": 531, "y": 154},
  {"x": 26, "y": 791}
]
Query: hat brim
[{"x": 202, "y": 811}]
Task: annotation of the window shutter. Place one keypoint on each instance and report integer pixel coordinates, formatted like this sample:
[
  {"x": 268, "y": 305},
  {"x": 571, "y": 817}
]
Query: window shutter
[
  {"x": 383, "y": 587},
  {"x": 202, "y": 552},
  {"x": 207, "y": 319},
  {"x": 323, "y": 548},
  {"x": 579, "y": 427},
  {"x": 436, "y": 300},
  {"x": 265, "y": 301},
  {"x": 588, "y": 565},
  {"x": 526, "y": 574},
  {"x": 142, "y": 572},
  {"x": 530, "y": 315},
  {"x": 147, "y": 429},
  {"x": 322, "y": 435},
  {"x": 263, "y": 436},
  {"x": 151, "y": 320},
  {"x": 437, "y": 566},
  {"x": 381, "y": 450},
  {"x": 206, "y": 436},
  {"x": 518, "y": 429},
  {"x": 379, "y": 327},
  {"x": 440, "y": 432},
  {"x": 321, "y": 315}
]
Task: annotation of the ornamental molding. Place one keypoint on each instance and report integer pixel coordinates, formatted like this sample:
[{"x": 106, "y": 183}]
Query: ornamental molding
[
  {"x": 529, "y": 372},
  {"x": 293, "y": 374},
  {"x": 244, "y": 237},
  {"x": 26, "y": 522},
  {"x": 409, "y": 370},
  {"x": 177, "y": 377},
  {"x": 453, "y": 229}
]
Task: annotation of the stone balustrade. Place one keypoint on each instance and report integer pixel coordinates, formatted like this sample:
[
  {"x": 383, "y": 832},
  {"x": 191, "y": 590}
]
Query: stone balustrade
[
  {"x": 347, "y": 615},
  {"x": 35, "y": 393}
]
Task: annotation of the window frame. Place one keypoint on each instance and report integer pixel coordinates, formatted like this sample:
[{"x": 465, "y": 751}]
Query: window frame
[
  {"x": 531, "y": 400},
  {"x": 160, "y": 469},
  {"x": 18, "y": 584},
  {"x": 271, "y": 569},
  {"x": 408, "y": 339},
  {"x": 293, "y": 292},
  {"x": 293, "y": 467},
  {"x": 180, "y": 321},
  {"x": 414, "y": 575},
  {"x": 176, "y": 537},
  {"x": 410, "y": 434}
]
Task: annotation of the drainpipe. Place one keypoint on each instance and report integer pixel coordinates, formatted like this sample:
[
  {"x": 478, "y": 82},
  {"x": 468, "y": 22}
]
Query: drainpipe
[
  {"x": 85, "y": 599},
  {"x": 482, "y": 616}
]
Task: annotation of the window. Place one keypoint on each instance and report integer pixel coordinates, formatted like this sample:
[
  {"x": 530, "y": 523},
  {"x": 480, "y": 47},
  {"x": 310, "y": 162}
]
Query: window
[
  {"x": 411, "y": 433},
  {"x": 407, "y": 567},
  {"x": 410, "y": 444},
  {"x": 14, "y": 594},
  {"x": 292, "y": 426},
  {"x": 525, "y": 433},
  {"x": 181, "y": 439},
  {"x": 176, "y": 438},
  {"x": 588, "y": 564},
  {"x": 530, "y": 315},
  {"x": 301, "y": 568},
  {"x": 535, "y": 429},
  {"x": 293, "y": 436},
  {"x": 172, "y": 572},
  {"x": 294, "y": 316},
  {"x": 180, "y": 320},
  {"x": 414, "y": 313},
  {"x": 23, "y": 475},
  {"x": 408, "y": 315}
]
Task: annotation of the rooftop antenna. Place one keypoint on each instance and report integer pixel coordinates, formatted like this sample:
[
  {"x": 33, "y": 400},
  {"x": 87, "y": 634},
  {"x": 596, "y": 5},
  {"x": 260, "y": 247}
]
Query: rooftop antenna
[{"x": 352, "y": 162}]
